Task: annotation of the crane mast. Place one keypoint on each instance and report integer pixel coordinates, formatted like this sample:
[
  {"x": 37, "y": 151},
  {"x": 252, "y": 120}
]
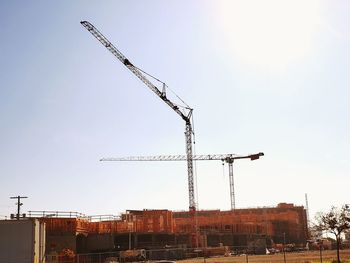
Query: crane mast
[
  {"x": 228, "y": 158},
  {"x": 186, "y": 114}
]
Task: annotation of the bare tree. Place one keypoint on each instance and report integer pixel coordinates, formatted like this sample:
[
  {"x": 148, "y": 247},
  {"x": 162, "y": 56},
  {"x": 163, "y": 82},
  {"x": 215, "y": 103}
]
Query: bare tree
[{"x": 336, "y": 222}]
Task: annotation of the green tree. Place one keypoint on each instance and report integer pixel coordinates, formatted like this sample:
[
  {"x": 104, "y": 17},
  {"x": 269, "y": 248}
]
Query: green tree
[{"x": 336, "y": 222}]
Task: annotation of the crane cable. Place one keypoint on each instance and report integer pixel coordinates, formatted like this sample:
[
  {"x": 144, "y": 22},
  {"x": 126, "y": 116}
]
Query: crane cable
[
  {"x": 166, "y": 86},
  {"x": 192, "y": 120},
  {"x": 194, "y": 161}
]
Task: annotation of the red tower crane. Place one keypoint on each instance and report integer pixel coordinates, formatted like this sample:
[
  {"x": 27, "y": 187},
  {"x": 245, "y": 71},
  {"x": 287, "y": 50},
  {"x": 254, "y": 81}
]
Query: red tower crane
[
  {"x": 185, "y": 113},
  {"x": 228, "y": 158}
]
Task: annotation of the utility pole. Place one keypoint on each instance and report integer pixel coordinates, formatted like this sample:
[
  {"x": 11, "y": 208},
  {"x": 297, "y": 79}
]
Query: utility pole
[
  {"x": 320, "y": 243},
  {"x": 307, "y": 213},
  {"x": 19, "y": 204},
  {"x": 284, "y": 247}
]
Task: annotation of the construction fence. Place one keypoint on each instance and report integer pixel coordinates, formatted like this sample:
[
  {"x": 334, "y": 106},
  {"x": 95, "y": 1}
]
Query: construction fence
[
  {"x": 241, "y": 254},
  {"x": 139, "y": 255}
]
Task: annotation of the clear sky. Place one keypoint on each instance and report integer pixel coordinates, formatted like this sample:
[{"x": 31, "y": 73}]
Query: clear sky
[{"x": 269, "y": 76}]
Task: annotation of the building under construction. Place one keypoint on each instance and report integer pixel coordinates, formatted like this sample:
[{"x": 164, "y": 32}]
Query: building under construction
[{"x": 155, "y": 229}]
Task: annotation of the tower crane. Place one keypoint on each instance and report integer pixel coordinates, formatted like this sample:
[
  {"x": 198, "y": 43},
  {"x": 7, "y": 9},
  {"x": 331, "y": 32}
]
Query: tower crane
[
  {"x": 228, "y": 158},
  {"x": 185, "y": 113}
]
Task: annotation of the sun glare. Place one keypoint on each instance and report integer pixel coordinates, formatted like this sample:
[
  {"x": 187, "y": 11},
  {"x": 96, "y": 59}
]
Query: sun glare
[{"x": 270, "y": 33}]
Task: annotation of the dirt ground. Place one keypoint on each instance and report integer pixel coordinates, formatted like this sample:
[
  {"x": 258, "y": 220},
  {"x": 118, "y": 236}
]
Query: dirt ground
[{"x": 300, "y": 257}]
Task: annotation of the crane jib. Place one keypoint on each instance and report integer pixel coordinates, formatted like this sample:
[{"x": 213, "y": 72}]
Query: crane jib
[{"x": 188, "y": 134}]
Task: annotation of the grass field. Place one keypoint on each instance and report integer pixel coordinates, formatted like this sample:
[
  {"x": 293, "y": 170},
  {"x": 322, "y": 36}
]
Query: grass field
[{"x": 303, "y": 257}]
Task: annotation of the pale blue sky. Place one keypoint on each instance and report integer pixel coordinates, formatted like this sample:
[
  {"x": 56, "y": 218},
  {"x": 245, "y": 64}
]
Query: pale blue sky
[{"x": 269, "y": 76}]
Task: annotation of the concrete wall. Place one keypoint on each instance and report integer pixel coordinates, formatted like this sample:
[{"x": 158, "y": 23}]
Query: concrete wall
[{"x": 22, "y": 241}]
